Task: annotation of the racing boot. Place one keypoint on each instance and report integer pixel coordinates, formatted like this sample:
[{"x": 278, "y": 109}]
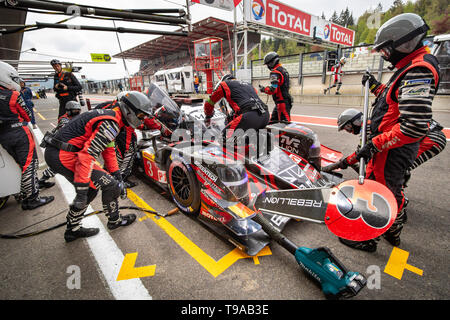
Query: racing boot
[
  {"x": 115, "y": 219},
  {"x": 43, "y": 183},
  {"x": 130, "y": 184},
  {"x": 393, "y": 234},
  {"x": 30, "y": 204},
  {"x": 122, "y": 221},
  {"x": 71, "y": 235},
  {"x": 368, "y": 245},
  {"x": 74, "y": 230}
]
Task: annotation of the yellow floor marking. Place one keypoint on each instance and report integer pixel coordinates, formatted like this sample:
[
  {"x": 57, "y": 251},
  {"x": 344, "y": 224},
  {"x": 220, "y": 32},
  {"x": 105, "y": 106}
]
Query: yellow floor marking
[
  {"x": 128, "y": 271},
  {"x": 397, "y": 263},
  {"x": 40, "y": 115},
  {"x": 214, "y": 267}
]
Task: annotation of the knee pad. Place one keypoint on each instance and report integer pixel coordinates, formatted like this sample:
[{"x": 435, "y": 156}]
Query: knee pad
[{"x": 111, "y": 191}]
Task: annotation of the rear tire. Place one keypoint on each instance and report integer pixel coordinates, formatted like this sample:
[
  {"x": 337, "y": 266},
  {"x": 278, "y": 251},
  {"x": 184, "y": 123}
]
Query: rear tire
[{"x": 183, "y": 186}]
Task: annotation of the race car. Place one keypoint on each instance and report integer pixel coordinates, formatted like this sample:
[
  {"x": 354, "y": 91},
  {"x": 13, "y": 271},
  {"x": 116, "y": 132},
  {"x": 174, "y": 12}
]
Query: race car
[
  {"x": 247, "y": 187},
  {"x": 218, "y": 184}
]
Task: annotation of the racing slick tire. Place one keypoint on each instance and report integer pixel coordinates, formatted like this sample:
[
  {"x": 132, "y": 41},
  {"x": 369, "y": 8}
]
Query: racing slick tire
[{"x": 183, "y": 186}]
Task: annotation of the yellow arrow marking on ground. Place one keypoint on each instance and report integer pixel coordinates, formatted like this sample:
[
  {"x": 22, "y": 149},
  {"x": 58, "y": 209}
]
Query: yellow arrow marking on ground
[
  {"x": 212, "y": 266},
  {"x": 128, "y": 271},
  {"x": 397, "y": 263}
]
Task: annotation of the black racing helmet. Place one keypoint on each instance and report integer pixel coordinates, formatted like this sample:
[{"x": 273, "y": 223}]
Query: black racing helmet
[
  {"x": 350, "y": 120},
  {"x": 135, "y": 106},
  {"x": 399, "y": 36},
  {"x": 226, "y": 77},
  {"x": 73, "y": 108},
  {"x": 271, "y": 59}
]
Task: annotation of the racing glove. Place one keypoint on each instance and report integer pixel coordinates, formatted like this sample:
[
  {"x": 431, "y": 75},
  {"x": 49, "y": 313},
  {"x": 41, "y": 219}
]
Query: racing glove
[
  {"x": 366, "y": 152},
  {"x": 123, "y": 190},
  {"x": 81, "y": 199},
  {"x": 262, "y": 89},
  {"x": 373, "y": 83},
  {"x": 341, "y": 164}
]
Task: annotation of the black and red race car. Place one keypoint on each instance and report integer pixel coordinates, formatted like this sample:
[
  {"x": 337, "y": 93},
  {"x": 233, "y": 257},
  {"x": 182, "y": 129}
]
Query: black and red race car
[
  {"x": 219, "y": 183},
  {"x": 247, "y": 188}
]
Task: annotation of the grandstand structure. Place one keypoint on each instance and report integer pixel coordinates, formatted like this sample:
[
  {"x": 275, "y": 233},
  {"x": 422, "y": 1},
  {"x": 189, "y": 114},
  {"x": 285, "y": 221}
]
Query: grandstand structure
[{"x": 167, "y": 52}]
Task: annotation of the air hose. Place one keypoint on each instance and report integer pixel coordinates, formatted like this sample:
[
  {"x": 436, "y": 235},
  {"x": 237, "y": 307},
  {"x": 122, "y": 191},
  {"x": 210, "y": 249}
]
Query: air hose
[{"x": 15, "y": 235}]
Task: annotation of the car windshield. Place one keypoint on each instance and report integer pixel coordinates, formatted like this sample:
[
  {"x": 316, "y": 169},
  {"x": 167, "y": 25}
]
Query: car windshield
[{"x": 158, "y": 98}]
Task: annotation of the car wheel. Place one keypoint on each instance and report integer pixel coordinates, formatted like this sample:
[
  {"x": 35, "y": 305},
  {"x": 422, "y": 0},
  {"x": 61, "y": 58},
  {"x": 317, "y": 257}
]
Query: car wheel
[{"x": 183, "y": 186}]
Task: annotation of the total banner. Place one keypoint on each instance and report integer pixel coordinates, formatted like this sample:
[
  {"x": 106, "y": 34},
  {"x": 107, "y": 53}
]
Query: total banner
[{"x": 281, "y": 16}]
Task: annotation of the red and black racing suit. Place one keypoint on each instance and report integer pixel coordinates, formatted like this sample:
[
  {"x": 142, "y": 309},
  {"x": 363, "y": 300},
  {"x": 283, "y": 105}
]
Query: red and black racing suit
[
  {"x": 126, "y": 141},
  {"x": 16, "y": 138},
  {"x": 399, "y": 119},
  {"x": 80, "y": 143},
  {"x": 249, "y": 112},
  {"x": 73, "y": 88},
  {"x": 62, "y": 121},
  {"x": 431, "y": 145},
  {"x": 279, "y": 89}
]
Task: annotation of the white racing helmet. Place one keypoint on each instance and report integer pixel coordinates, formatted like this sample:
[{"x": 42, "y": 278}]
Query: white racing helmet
[
  {"x": 399, "y": 36},
  {"x": 9, "y": 77}
]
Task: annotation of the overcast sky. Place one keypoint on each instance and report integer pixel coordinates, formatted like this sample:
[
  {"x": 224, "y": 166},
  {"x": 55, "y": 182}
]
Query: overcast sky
[{"x": 74, "y": 44}]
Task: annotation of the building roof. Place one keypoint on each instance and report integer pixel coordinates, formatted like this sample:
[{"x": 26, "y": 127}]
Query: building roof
[
  {"x": 166, "y": 45},
  {"x": 12, "y": 41}
]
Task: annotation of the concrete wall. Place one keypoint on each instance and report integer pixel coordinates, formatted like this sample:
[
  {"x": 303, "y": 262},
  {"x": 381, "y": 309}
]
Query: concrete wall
[{"x": 311, "y": 91}]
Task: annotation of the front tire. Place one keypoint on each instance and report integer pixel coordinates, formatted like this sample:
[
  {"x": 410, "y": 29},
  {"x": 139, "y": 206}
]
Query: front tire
[{"x": 183, "y": 187}]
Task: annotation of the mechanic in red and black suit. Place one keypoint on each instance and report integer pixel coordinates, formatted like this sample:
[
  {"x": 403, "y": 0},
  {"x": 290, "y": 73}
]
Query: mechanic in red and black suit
[
  {"x": 65, "y": 85},
  {"x": 401, "y": 115},
  {"x": 126, "y": 141},
  {"x": 73, "y": 151},
  {"x": 73, "y": 109},
  {"x": 16, "y": 137},
  {"x": 430, "y": 146},
  {"x": 249, "y": 112},
  {"x": 279, "y": 88}
]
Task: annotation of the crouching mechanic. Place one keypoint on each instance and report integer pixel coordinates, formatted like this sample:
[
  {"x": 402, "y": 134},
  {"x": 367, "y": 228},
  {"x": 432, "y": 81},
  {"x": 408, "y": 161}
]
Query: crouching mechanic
[
  {"x": 430, "y": 146},
  {"x": 73, "y": 151},
  {"x": 278, "y": 89},
  {"x": 73, "y": 109},
  {"x": 17, "y": 139},
  {"x": 401, "y": 114},
  {"x": 126, "y": 140},
  {"x": 249, "y": 112}
]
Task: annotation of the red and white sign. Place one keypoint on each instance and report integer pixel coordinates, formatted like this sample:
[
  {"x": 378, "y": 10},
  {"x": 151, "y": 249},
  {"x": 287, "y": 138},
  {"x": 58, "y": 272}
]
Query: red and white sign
[
  {"x": 284, "y": 17},
  {"x": 280, "y": 16},
  {"x": 341, "y": 35}
]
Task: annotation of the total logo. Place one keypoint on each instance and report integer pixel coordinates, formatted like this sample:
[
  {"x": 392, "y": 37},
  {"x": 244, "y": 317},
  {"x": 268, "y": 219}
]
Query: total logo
[
  {"x": 258, "y": 9},
  {"x": 326, "y": 31}
]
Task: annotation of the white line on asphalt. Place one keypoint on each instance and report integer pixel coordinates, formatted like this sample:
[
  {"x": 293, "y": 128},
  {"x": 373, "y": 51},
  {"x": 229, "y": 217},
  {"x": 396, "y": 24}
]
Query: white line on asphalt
[{"x": 106, "y": 252}]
